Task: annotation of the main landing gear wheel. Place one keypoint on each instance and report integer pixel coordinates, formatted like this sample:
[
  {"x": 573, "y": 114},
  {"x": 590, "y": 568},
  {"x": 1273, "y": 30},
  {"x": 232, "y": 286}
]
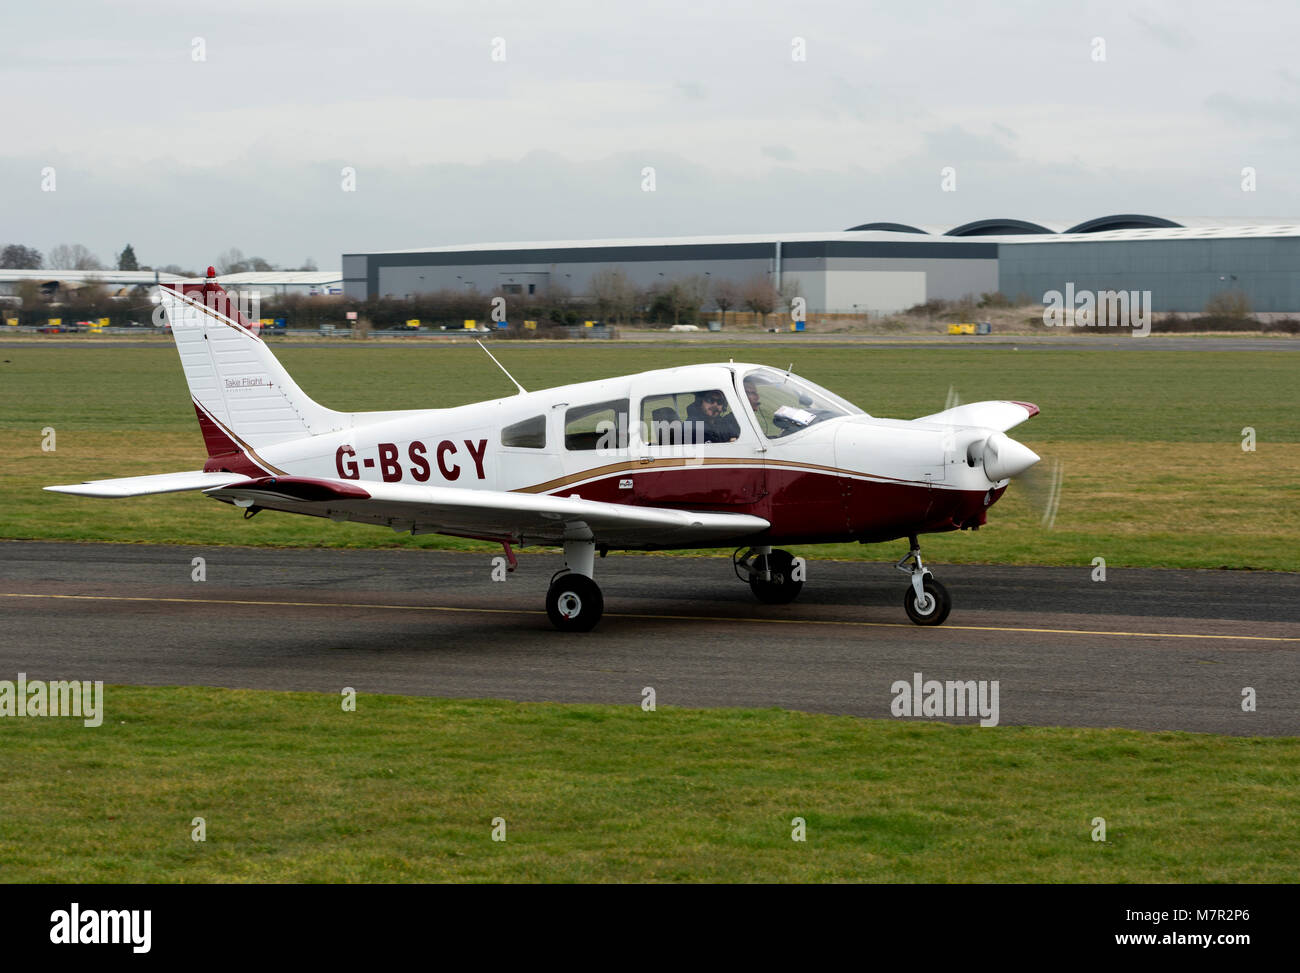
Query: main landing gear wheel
[
  {"x": 780, "y": 588},
  {"x": 926, "y": 601},
  {"x": 574, "y": 603},
  {"x": 933, "y": 609}
]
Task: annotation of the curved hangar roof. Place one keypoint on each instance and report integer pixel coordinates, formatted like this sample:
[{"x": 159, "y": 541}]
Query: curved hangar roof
[
  {"x": 1008, "y": 226},
  {"x": 1122, "y": 221},
  {"x": 998, "y": 228},
  {"x": 887, "y": 227}
]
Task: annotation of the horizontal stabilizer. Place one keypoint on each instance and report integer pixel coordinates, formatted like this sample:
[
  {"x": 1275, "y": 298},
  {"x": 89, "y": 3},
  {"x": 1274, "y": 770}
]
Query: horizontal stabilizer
[{"x": 139, "y": 486}]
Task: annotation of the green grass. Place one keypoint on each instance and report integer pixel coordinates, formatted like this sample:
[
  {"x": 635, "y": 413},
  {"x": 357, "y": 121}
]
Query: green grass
[
  {"x": 1154, "y": 471},
  {"x": 405, "y": 789}
]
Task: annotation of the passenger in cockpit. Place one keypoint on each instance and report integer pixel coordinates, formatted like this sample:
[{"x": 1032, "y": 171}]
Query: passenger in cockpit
[{"x": 756, "y": 403}]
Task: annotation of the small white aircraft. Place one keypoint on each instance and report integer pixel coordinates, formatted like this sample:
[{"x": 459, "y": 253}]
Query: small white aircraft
[{"x": 691, "y": 457}]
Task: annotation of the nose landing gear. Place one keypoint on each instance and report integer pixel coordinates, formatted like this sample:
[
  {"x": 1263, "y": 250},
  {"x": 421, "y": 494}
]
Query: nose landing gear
[{"x": 926, "y": 601}]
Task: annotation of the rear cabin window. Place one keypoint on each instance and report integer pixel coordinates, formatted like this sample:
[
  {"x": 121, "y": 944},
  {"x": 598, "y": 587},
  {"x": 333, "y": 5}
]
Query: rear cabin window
[
  {"x": 529, "y": 434},
  {"x": 602, "y": 425}
]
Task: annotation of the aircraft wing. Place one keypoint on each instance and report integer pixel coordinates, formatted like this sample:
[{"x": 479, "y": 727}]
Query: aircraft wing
[
  {"x": 1000, "y": 415},
  {"x": 139, "y": 486},
  {"x": 522, "y": 518}
]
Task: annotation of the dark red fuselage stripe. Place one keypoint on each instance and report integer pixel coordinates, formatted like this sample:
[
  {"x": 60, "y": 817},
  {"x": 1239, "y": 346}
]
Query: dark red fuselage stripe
[{"x": 802, "y": 506}]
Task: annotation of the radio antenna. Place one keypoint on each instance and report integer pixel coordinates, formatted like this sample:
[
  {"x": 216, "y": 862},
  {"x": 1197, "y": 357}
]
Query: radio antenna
[{"x": 522, "y": 390}]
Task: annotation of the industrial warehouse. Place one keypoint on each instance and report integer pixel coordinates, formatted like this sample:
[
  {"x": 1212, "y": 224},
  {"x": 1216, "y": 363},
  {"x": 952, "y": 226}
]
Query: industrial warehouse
[
  {"x": 883, "y": 267},
  {"x": 53, "y": 282}
]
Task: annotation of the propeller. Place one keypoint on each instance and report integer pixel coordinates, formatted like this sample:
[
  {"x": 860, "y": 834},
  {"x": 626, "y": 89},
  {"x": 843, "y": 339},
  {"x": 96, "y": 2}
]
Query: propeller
[
  {"x": 1042, "y": 486},
  {"x": 1004, "y": 458}
]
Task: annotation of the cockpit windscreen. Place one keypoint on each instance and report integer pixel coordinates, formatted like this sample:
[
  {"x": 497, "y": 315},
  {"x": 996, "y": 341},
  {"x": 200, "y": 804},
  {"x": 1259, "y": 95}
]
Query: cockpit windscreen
[{"x": 784, "y": 403}]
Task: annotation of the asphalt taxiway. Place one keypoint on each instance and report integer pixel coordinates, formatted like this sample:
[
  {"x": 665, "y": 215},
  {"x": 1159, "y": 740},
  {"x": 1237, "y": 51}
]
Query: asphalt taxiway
[{"x": 1145, "y": 649}]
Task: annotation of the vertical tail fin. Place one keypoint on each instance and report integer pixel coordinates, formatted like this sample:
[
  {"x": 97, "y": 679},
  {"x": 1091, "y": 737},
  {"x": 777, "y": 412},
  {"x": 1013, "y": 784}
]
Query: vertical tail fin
[{"x": 244, "y": 398}]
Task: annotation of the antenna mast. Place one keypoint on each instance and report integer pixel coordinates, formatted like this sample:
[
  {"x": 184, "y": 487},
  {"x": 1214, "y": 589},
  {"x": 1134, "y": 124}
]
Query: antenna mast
[{"x": 522, "y": 390}]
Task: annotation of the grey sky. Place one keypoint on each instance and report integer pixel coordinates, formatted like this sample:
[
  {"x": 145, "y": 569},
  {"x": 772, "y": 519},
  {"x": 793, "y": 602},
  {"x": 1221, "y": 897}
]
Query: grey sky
[{"x": 186, "y": 158}]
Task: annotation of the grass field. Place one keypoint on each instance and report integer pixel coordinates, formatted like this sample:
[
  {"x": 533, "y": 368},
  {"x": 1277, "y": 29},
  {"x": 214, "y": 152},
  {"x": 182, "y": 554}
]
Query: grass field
[
  {"x": 405, "y": 789},
  {"x": 1151, "y": 441},
  {"x": 292, "y": 788}
]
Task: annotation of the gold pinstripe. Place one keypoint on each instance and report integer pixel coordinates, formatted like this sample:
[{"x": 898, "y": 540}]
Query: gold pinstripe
[
  {"x": 249, "y": 450},
  {"x": 214, "y": 313}
]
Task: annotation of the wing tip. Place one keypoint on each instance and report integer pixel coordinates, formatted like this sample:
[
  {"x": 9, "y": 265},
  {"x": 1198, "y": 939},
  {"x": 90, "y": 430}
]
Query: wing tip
[{"x": 1027, "y": 406}]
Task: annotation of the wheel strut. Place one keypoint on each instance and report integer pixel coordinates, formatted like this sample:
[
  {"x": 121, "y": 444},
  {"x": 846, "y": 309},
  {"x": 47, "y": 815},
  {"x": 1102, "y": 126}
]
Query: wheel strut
[
  {"x": 927, "y": 602},
  {"x": 917, "y": 570},
  {"x": 574, "y": 601}
]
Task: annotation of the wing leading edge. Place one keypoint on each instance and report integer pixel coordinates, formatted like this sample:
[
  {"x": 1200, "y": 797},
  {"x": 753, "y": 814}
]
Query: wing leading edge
[{"x": 140, "y": 486}]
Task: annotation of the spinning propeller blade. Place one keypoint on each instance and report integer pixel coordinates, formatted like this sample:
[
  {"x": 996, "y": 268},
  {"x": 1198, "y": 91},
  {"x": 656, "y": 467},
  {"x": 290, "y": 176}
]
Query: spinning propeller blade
[{"x": 1042, "y": 486}]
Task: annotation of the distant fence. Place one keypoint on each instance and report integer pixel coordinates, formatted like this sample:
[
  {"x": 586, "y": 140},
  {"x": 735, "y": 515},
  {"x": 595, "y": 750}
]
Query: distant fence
[
  {"x": 577, "y": 333},
  {"x": 593, "y": 332}
]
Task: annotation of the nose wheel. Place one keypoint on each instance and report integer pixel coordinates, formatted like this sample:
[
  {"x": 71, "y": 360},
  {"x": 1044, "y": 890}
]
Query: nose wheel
[{"x": 926, "y": 601}]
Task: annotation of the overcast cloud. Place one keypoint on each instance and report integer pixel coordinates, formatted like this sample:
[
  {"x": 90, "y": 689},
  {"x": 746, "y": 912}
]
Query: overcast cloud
[{"x": 246, "y": 148}]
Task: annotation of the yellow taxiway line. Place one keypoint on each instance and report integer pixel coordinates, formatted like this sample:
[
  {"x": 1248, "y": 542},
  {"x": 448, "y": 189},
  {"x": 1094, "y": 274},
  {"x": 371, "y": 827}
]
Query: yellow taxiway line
[{"x": 688, "y": 618}]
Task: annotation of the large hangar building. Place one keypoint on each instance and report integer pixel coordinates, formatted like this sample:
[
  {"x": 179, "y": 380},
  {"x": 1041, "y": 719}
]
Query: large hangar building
[
  {"x": 864, "y": 271},
  {"x": 883, "y": 267}
]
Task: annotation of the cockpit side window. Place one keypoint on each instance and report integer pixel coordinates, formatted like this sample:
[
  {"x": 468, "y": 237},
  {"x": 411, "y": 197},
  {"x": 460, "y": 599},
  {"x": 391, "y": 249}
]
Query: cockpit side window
[
  {"x": 696, "y": 417},
  {"x": 529, "y": 434}
]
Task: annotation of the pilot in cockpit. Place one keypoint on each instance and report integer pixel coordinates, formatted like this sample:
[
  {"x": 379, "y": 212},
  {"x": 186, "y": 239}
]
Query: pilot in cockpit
[{"x": 706, "y": 413}]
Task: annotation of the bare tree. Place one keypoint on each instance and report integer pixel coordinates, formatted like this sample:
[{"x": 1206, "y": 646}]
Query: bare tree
[
  {"x": 758, "y": 295},
  {"x": 726, "y": 295},
  {"x": 612, "y": 293},
  {"x": 682, "y": 297},
  {"x": 232, "y": 261},
  {"x": 692, "y": 293},
  {"x": 791, "y": 287},
  {"x": 73, "y": 256},
  {"x": 1228, "y": 304}
]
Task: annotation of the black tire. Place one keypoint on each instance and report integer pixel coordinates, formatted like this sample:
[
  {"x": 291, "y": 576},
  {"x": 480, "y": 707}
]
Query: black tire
[
  {"x": 782, "y": 589},
  {"x": 574, "y": 603},
  {"x": 942, "y": 603}
]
